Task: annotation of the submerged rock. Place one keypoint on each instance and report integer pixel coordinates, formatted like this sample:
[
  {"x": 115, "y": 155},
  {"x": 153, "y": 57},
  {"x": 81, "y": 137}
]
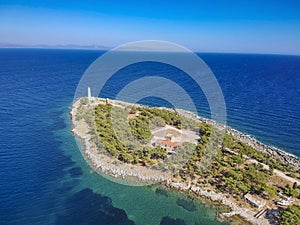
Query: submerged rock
[
  {"x": 161, "y": 191},
  {"x": 186, "y": 204}
]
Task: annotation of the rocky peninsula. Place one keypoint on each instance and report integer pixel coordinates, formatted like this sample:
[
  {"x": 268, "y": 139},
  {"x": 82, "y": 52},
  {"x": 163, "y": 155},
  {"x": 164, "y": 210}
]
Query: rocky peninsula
[{"x": 211, "y": 184}]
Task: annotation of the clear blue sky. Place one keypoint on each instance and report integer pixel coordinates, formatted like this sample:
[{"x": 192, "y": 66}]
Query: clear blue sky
[{"x": 216, "y": 26}]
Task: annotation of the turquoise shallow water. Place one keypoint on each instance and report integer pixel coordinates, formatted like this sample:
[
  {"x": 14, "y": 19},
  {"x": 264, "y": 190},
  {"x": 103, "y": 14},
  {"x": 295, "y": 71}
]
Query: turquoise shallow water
[
  {"x": 141, "y": 203},
  {"x": 44, "y": 178}
]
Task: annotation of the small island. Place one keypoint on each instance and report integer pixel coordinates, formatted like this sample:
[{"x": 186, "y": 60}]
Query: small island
[{"x": 174, "y": 147}]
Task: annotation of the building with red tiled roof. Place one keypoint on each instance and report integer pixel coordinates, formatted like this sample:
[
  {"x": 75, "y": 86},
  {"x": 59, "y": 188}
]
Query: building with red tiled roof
[{"x": 168, "y": 145}]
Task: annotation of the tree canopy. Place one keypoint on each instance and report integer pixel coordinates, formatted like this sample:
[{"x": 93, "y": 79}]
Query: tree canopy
[{"x": 290, "y": 215}]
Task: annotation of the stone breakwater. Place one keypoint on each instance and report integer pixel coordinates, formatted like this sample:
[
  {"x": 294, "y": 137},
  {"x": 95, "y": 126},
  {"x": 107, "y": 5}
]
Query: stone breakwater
[
  {"x": 275, "y": 152},
  {"x": 245, "y": 213}
]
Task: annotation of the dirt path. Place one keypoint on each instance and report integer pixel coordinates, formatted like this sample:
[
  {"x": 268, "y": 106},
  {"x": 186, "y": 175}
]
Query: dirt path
[{"x": 276, "y": 172}]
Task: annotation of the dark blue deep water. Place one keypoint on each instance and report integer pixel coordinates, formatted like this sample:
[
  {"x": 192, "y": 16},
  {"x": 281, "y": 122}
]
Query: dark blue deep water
[{"x": 45, "y": 180}]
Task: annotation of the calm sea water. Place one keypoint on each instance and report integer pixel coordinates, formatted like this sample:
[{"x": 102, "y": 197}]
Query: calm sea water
[{"x": 45, "y": 180}]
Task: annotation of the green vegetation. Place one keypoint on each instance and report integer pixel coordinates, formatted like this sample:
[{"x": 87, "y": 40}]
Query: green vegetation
[
  {"x": 290, "y": 215},
  {"x": 288, "y": 191},
  {"x": 139, "y": 127},
  {"x": 128, "y": 139},
  {"x": 218, "y": 160},
  {"x": 228, "y": 171},
  {"x": 182, "y": 156},
  {"x": 228, "y": 174},
  {"x": 295, "y": 185},
  {"x": 231, "y": 143}
]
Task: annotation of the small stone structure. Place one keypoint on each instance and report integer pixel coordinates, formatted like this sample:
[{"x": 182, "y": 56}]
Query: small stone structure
[{"x": 255, "y": 200}]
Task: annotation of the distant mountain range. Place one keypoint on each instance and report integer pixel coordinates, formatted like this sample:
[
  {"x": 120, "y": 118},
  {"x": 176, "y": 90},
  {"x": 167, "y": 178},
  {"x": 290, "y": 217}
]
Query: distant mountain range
[{"x": 70, "y": 46}]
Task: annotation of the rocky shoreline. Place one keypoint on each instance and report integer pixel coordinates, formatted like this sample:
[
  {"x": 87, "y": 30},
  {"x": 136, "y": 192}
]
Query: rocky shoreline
[
  {"x": 277, "y": 153},
  {"x": 285, "y": 157},
  {"x": 247, "y": 214},
  {"x": 108, "y": 165},
  {"x": 105, "y": 164}
]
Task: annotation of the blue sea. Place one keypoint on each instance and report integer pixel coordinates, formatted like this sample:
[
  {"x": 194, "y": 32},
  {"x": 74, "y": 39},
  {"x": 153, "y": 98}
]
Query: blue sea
[{"x": 44, "y": 178}]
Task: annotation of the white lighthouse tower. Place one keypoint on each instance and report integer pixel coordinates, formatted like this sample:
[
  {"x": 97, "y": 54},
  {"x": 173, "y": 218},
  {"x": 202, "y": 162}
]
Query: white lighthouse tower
[{"x": 89, "y": 95}]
